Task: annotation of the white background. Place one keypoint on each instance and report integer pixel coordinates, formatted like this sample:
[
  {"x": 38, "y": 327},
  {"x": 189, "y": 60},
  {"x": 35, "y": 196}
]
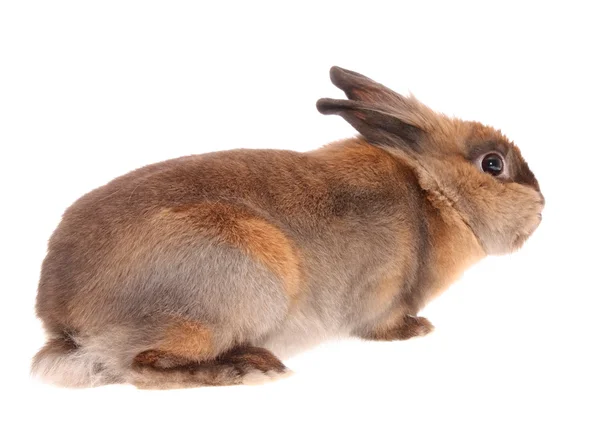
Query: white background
[{"x": 91, "y": 90}]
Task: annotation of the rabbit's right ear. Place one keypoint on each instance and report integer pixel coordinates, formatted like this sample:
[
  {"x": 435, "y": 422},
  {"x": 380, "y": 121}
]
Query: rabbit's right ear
[
  {"x": 357, "y": 87},
  {"x": 378, "y": 113}
]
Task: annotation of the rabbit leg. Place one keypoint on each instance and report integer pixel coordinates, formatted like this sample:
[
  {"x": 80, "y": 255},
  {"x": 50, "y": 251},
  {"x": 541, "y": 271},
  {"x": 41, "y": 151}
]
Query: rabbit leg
[
  {"x": 245, "y": 365},
  {"x": 403, "y": 329}
]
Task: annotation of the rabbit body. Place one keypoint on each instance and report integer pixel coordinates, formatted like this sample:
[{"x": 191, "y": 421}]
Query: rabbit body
[{"x": 203, "y": 270}]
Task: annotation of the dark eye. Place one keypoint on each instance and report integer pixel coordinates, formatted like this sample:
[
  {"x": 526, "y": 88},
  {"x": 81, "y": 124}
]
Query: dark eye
[{"x": 493, "y": 164}]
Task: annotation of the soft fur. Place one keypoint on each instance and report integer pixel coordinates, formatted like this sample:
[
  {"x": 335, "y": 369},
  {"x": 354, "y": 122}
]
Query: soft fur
[{"x": 203, "y": 269}]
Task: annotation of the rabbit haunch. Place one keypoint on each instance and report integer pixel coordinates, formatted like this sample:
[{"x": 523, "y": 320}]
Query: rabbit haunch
[{"x": 203, "y": 270}]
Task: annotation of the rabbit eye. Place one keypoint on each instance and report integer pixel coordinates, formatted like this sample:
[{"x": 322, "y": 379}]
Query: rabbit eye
[{"x": 493, "y": 164}]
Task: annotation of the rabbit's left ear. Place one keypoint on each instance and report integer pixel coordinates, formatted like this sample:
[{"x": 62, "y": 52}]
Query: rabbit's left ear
[
  {"x": 378, "y": 113},
  {"x": 374, "y": 124}
]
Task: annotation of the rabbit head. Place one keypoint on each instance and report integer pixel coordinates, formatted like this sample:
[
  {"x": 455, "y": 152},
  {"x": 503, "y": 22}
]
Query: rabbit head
[{"x": 472, "y": 168}]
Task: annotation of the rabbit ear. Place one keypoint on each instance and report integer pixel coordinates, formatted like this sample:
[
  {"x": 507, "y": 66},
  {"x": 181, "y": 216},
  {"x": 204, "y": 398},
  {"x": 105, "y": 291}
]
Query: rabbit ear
[
  {"x": 357, "y": 87},
  {"x": 360, "y": 88},
  {"x": 378, "y": 113},
  {"x": 377, "y": 125}
]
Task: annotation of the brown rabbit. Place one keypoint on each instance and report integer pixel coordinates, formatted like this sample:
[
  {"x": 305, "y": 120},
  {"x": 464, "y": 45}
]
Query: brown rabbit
[{"x": 203, "y": 270}]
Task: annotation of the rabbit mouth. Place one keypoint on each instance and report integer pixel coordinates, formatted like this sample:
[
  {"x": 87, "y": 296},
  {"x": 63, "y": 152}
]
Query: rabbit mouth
[
  {"x": 520, "y": 240},
  {"x": 522, "y": 237}
]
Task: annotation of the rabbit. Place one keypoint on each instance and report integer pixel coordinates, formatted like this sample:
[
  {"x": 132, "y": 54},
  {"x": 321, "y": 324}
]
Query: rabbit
[{"x": 210, "y": 269}]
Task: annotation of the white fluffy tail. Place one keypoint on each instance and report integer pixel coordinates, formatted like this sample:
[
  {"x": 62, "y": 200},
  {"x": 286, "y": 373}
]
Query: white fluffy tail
[{"x": 64, "y": 363}]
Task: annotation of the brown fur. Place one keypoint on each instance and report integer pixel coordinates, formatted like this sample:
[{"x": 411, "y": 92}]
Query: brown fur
[
  {"x": 55, "y": 346},
  {"x": 203, "y": 270},
  {"x": 187, "y": 339},
  {"x": 398, "y": 326},
  {"x": 250, "y": 233},
  {"x": 357, "y": 165},
  {"x": 156, "y": 370},
  {"x": 257, "y": 358}
]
